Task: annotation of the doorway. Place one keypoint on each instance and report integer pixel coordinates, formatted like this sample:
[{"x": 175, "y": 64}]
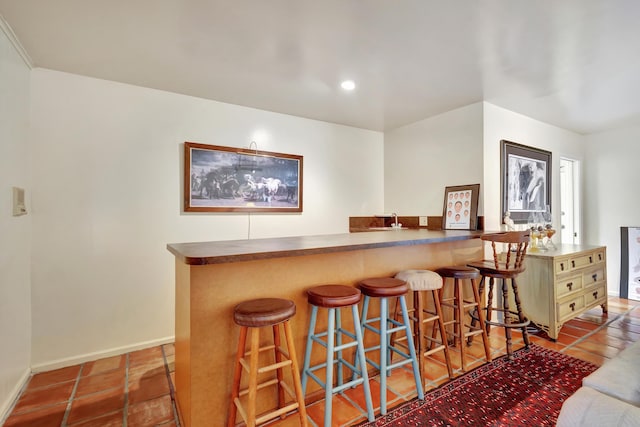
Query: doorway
[{"x": 569, "y": 201}]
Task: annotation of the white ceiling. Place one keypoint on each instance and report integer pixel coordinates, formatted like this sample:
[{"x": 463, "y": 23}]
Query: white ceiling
[{"x": 572, "y": 63}]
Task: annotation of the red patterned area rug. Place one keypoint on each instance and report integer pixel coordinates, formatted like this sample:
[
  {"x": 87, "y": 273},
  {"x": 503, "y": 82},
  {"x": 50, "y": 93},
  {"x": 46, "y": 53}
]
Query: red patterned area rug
[{"x": 526, "y": 391}]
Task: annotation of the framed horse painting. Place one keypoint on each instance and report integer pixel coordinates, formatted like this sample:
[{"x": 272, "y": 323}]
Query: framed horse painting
[
  {"x": 227, "y": 179},
  {"x": 526, "y": 182}
]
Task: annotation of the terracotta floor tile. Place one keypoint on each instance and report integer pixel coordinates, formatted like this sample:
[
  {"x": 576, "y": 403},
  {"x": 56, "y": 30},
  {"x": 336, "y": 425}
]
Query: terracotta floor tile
[
  {"x": 150, "y": 412},
  {"x": 95, "y": 405},
  {"x": 584, "y": 355},
  {"x": 582, "y": 324},
  {"x": 114, "y": 419},
  {"x": 141, "y": 357},
  {"x": 622, "y": 334},
  {"x": 598, "y": 348},
  {"x": 101, "y": 382},
  {"x": 342, "y": 411},
  {"x": 45, "y": 379},
  {"x": 149, "y": 368},
  {"x": 148, "y": 387},
  {"x": 104, "y": 365},
  {"x": 50, "y": 416},
  {"x": 169, "y": 349},
  {"x": 547, "y": 343},
  {"x": 40, "y": 397}
]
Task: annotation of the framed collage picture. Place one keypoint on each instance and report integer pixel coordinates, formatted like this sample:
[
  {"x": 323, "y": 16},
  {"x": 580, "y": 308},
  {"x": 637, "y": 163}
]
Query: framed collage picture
[{"x": 460, "y": 210}]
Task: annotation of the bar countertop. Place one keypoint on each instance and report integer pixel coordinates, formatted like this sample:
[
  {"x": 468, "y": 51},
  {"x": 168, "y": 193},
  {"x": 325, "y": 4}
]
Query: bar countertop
[{"x": 218, "y": 252}]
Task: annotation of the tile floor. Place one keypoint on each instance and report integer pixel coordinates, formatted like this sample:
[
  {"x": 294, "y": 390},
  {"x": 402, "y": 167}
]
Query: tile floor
[{"x": 136, "y": 389}]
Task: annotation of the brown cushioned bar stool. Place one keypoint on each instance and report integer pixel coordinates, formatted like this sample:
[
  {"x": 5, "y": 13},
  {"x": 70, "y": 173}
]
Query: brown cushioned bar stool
[
  {"x": 462, "y": 307},
  {"x": 505, "y": 266},
  {"x": 381, "y": 289},
  {"x": 425, "y": 284},
  {"x": 334, "y": 298},
  {"x": 256, "y": 314}
]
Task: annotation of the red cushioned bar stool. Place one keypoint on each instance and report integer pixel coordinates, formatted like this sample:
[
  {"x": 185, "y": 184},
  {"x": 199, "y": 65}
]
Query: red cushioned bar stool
[
  {"x": 425, "y": 284},
  {"x": 462, "y": 308},
  {"x": 334, "y": 298},
  {"x": 382, "y": 289},
  {"x": 254, "y": 315}
]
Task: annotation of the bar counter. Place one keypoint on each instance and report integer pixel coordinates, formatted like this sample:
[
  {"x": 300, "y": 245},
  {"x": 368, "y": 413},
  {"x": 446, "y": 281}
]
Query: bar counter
[{"x": 212, "y": 277}]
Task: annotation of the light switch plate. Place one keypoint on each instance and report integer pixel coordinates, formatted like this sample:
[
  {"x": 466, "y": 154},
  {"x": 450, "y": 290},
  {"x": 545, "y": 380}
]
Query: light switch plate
[
  {"x": 19, "y": 207},
  {"x": 423, "y": 221}
]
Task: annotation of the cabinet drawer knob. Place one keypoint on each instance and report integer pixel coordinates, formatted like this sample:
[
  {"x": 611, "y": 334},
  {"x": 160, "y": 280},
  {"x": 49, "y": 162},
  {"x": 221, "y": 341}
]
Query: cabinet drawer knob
[
  {"x": 573, "y": 264},
  {"x": 595, "y": 277},
  {"x": 599, "y": 257},
  {"x": 562, "y": 266},
  {"x": 595, "y": 295},
  {"x": 573, "y": 306},
  {"x": 570, "y": 285},
  {"x": 590, "y": 259}
]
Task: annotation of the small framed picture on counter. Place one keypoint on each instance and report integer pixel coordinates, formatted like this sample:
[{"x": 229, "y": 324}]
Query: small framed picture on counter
[{"x": 460, "y": 211}]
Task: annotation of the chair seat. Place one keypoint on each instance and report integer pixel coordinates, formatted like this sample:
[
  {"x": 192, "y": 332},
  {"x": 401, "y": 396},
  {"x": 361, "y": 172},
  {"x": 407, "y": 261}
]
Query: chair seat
[
  {"x": 263, "y": 312},
  {"x": 421, "y": 280},
  {"x": 488, "y": 268},
  {"x": 333, "y": 296},
  {"x": 383, "y": 287},
  {"x": 459, "y": 272}
]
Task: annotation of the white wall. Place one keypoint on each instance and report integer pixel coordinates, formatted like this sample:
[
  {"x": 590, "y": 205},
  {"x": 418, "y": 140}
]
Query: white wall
[
  {"x": 15, "y": 232},
  {"x": 612, "y": 200},
  {"x": 502, "y": 124},
  {"x": 423, "y": 158},
  {"x": 106, "y": 200}
]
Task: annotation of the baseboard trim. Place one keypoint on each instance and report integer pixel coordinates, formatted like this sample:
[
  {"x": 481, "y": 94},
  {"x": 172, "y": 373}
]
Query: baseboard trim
[
  {"x": 88, "y": 357},
  {"x": 7, "y": 406}
]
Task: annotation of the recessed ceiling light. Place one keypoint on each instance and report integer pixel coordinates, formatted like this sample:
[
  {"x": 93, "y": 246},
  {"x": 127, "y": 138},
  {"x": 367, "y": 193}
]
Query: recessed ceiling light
[{"x": 348, "y": 85}]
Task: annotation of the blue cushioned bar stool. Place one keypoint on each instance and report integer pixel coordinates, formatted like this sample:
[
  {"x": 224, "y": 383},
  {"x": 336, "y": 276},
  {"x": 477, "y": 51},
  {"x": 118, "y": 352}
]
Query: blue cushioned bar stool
[
  {"x": 333, "y": 298},
  {"x": 382, "y": 289},
  {"x": 254, "y": 315},
  {"x": 425, "y": 284}
]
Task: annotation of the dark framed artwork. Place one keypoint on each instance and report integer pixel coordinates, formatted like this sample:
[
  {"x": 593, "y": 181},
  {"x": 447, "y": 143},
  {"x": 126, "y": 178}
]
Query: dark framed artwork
[
  {"x": 526, "y": 181},
  {"x": 227, "y": 179},
  {"x": 630, "y": 263},
  {"x": 460, "y": 210}
]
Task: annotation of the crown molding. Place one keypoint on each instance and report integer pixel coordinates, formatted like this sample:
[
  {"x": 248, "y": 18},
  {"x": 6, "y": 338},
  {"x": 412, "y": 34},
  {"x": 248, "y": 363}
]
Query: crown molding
[{"x": 6, "y": 28}]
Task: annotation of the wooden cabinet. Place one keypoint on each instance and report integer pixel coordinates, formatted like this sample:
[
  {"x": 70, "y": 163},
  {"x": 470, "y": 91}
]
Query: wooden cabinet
[{"x": 560, "y": 284}]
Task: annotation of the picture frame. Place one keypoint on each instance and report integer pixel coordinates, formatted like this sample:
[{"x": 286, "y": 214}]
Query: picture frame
[
  {"x": 526, "y": 182},
  {"x": 460, "y": 208},
  {"x": 229, "y": 179}
]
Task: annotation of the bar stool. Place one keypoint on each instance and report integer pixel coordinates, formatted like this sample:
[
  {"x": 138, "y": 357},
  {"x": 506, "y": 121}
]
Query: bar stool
[
  {"x": 256, "y": 314},
  {"x": 333, "y": 298},
  {"x": 505, "y": 267},
  {"x": 461, "y": 307},
  {"x": 425, "y": 283},
  {"x": 382, "y": 289}
]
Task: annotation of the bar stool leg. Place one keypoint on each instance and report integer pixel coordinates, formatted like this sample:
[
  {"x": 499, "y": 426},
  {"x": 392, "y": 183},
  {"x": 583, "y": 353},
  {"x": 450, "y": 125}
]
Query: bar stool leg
[
  {"x": 363, "y": 364},
  {"x": 384, "y": 355},
  {"x": 328, "y": 389},
  {"x": 443, "y": 332},
  {"x": 253, "y": 377},
  {"x": 279, "y": 376},
  {"x": 521, "y": 316},
  {"x": 419, "y": 330},
  {"x": 235, "y": 392},
  {"x": 483, "y": 325},
  {"x": 307, "y": 353},
  {"x": 412, "y": 350},
  {"x": 295, "y": 373},
  {"x": 340, "y": 366}
]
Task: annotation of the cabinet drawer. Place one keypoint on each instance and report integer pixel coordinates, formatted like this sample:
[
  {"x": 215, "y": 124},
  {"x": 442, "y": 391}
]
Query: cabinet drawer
[
  {"x": 581, "y": 261},
  {"x": 593, "y": 276},
  {"x": 570, "y": 306},
  {"x": 597, "y": 294},
  {"x": 569, "y": 285}
]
